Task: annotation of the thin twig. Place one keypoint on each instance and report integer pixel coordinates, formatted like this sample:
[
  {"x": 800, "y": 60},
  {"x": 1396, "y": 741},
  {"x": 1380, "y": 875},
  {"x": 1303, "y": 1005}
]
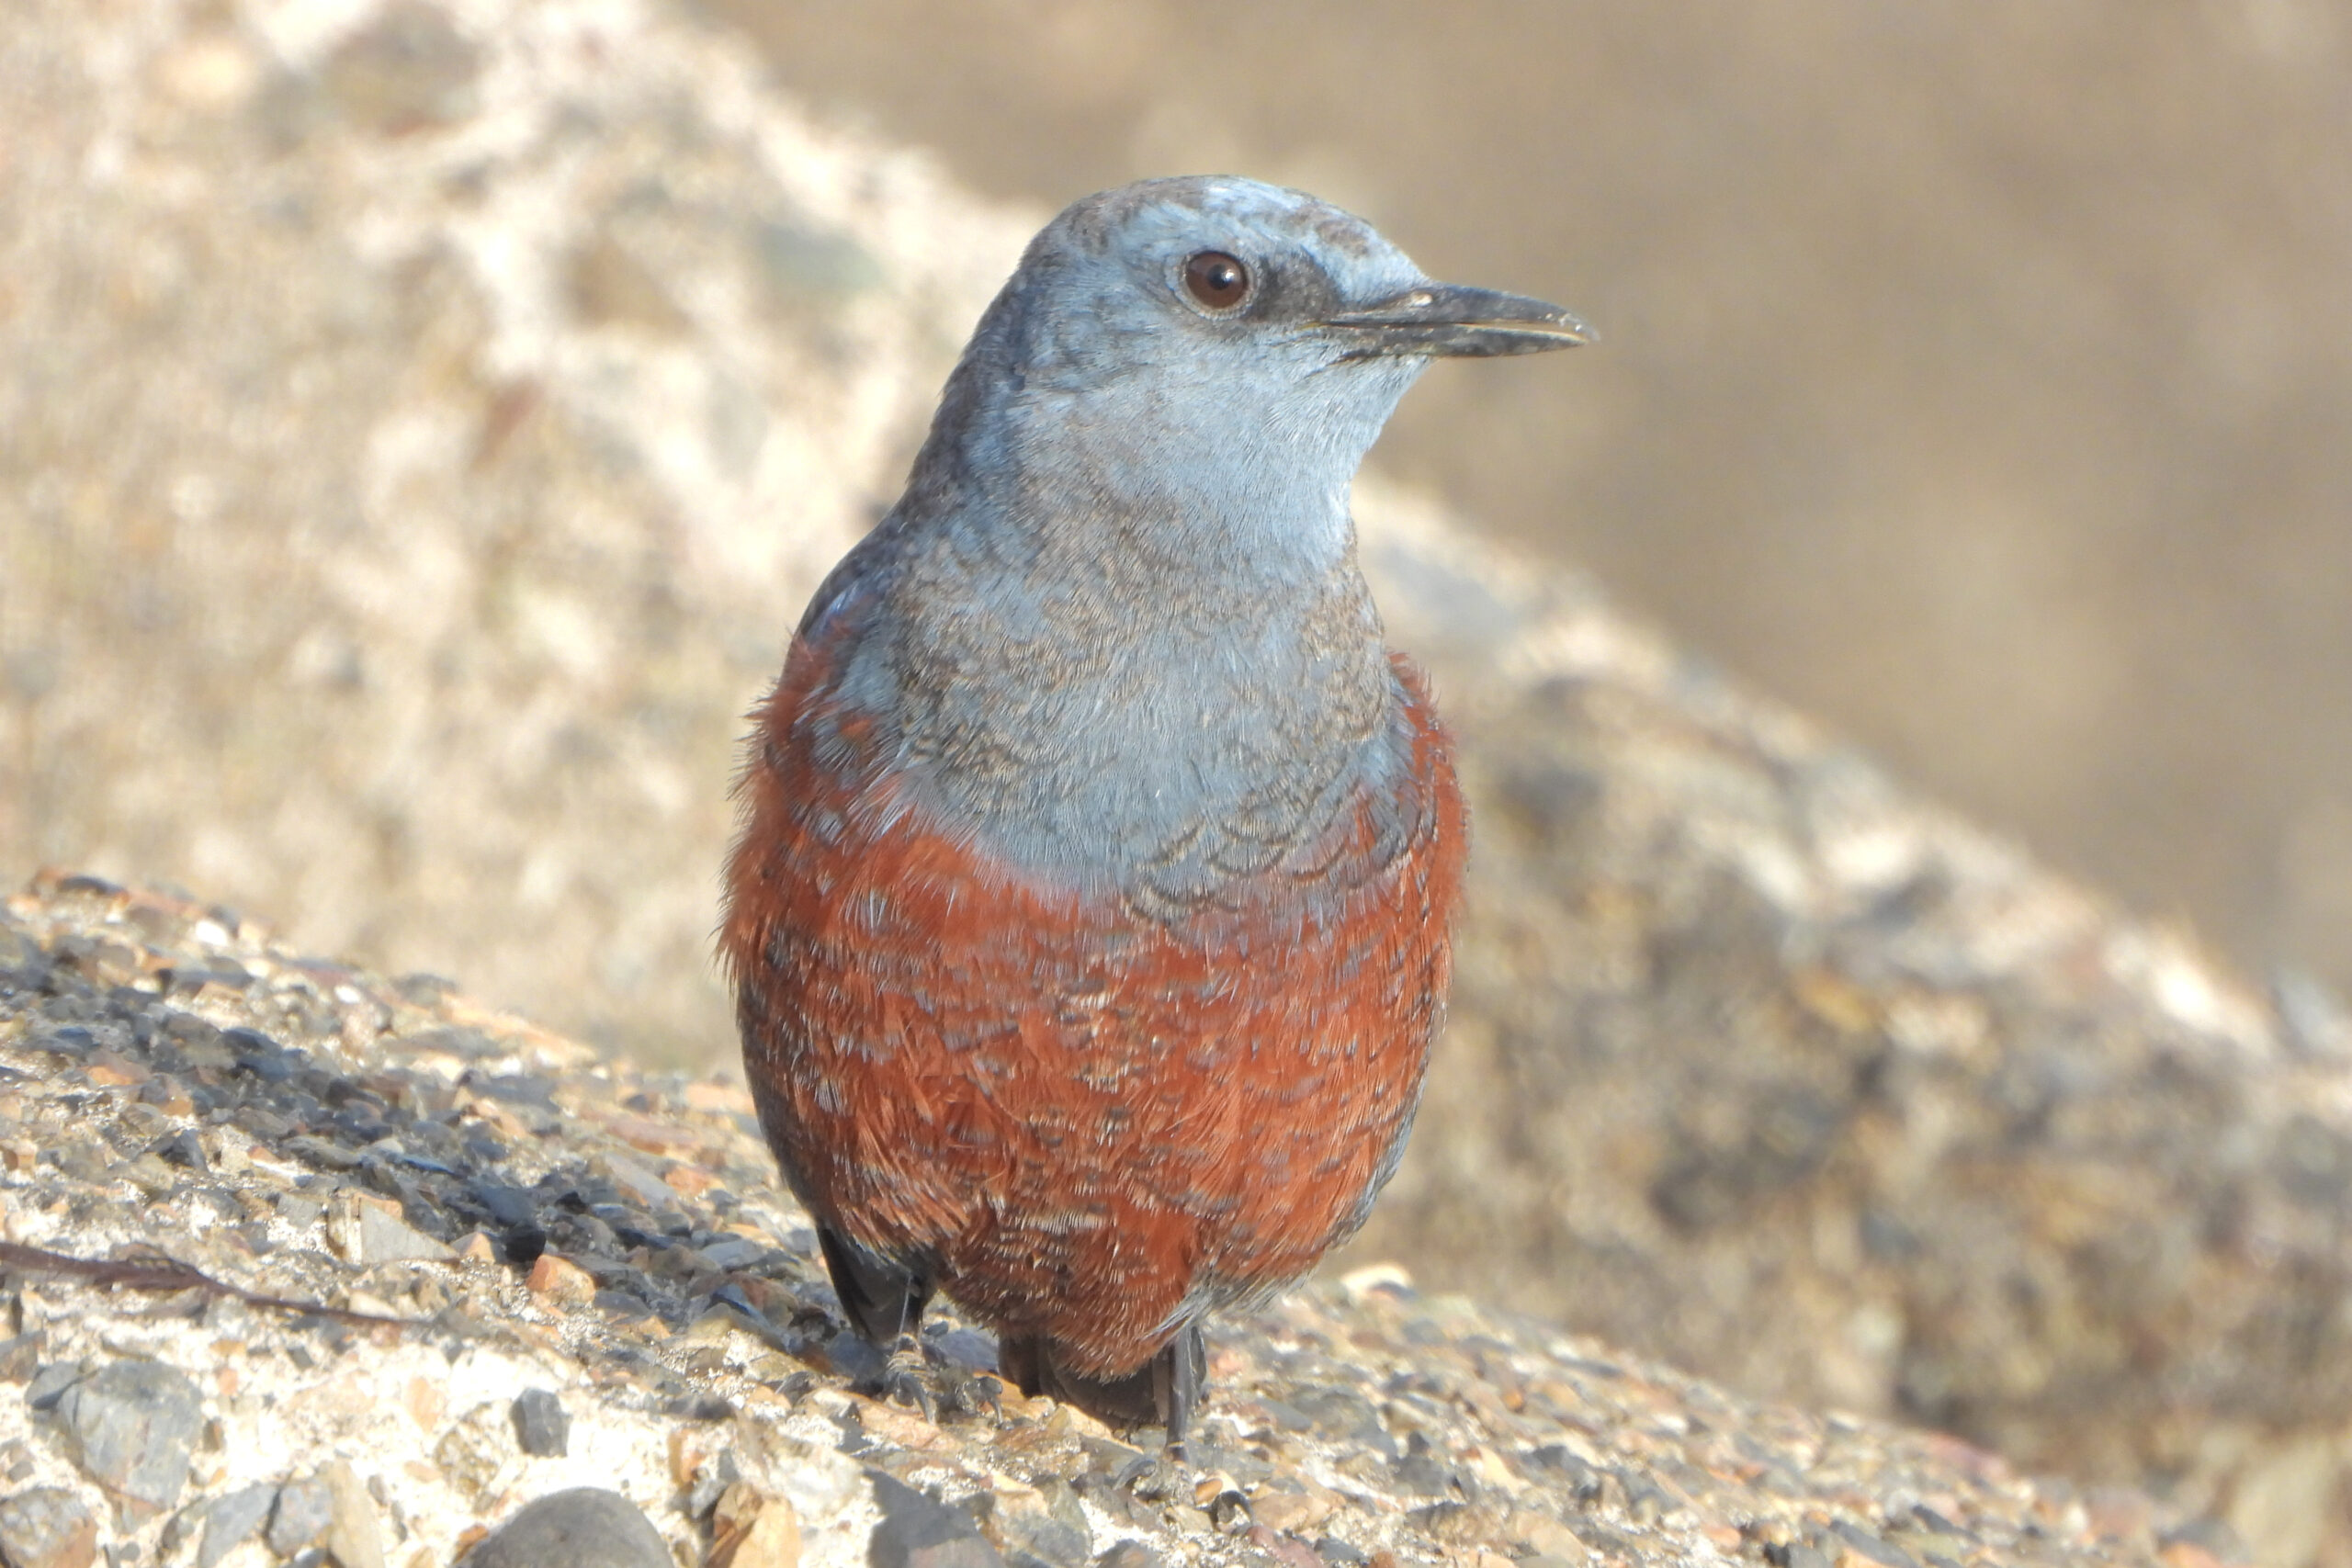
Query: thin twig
[{"x": 167, "y": 1273}]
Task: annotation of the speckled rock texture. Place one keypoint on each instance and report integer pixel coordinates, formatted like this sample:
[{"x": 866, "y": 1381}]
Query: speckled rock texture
[
  {"x": 1765, "y": 1067},
  {"x": 183, "y": 1105},
  {"x": 423, "y": 424},
  {"x": 420, "y": 422}
]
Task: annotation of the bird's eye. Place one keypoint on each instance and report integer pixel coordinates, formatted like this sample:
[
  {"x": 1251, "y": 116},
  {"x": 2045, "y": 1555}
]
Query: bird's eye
[{"x": 1218, "y": 280}]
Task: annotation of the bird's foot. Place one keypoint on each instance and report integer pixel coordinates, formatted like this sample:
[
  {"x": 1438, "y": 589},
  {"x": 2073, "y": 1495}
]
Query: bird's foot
[
  {"x": 1161, "y": 1477},
  {"x": 977, "y": 1393},
  {"x": 917, "y": 1376},
  {"x": 906, "y": 1379}
]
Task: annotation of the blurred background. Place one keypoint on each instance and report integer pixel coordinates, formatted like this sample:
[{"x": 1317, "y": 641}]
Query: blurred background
[
  {"x": 423, "y": 420},
  {"x": 1975, "y": 374}
]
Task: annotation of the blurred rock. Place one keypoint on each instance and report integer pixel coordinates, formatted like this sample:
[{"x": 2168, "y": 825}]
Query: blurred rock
[
  {"x": 540, "y": 1425},
  {"x": 304, "y": 1511},
  {"x": 46, "y": 1527},
  {"x": 918, "y": 1531},
  {"x": 749, "y": 1530},
  {"x": 231, "y": 1519},
  {"x": 366, "y": 1230},
  {"x": 585, "y": 1528},
  {"x": 407, "y": 68},
  {"x": 1762, "y": 1064},
  {"x": 419, "y": 426},
  {"x": 132, "y": 1427},
  {"x": 354, "y": 1538}
]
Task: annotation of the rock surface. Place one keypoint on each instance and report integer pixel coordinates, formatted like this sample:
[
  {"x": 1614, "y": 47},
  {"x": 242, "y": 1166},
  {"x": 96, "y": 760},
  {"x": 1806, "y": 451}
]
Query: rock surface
[
  {"x": 48, "y": 1526},
  {"x": 1760, "y": 1065},
  {"x": 230, "y": 1520},
  {"x": 374, "y": 376},
  {"x": 713, "y": 1393},
  {"x": 584, "y": 1527},
  {"x": 131, "y": 1426},
  {"x": 540, "y": 1425},
  {"x": 420, "y": 425}
]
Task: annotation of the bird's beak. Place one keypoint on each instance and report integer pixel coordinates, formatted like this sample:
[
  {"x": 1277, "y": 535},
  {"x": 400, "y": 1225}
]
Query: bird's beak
[{"x": 1449, "y": 318}]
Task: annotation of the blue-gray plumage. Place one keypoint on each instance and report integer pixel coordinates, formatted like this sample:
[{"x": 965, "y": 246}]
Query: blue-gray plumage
[
  {"x": 1129, "y": 638},
  {"x": 1090, "y": 917}
]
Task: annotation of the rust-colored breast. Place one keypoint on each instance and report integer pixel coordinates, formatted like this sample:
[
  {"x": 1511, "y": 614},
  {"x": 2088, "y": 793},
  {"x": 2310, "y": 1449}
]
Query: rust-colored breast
[{"x": 1094, "y": 1125}]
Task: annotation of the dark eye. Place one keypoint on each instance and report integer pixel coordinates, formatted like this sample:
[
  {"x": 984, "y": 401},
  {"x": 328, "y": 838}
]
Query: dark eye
[{"x": 1216, "y": 280}]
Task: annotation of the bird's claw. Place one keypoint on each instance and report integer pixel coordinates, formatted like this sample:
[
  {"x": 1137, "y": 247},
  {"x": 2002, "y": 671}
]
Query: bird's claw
[
  {"x": 907, "y": 1379},
  {"x": 1159, "y": 1477},
  {"x": 980, "y": 1393},
  {"x": 916, "y": 1376}
]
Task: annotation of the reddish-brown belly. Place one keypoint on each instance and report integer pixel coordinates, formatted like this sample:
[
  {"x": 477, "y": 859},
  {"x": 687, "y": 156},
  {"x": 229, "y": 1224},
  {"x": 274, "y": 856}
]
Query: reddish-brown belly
[{"x": 1094, "y": 1125}]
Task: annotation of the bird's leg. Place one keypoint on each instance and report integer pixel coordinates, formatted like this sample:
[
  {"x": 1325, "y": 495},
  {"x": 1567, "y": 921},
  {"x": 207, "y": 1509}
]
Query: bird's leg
[
  {"x": 1177, "y": 1374},
  {"x": 883, "y": 1300}
]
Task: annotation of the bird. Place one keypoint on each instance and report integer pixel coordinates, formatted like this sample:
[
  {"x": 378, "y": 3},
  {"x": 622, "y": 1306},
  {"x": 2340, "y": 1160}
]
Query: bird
[{"x": 1090, "y": 910}]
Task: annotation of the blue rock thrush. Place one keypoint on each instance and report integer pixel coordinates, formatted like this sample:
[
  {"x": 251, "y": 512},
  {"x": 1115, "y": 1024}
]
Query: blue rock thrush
[{"x": 1090, "y": 916}]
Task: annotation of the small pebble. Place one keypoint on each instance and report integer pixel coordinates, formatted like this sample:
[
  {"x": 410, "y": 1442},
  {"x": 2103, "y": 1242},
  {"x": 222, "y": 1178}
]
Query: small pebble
[
  {"x": 48, "y": 1527},
  {"x": 354, "y": 1537},
  {"x": 541, "y": 1427},
  {"x": 20, "y": 1357},
  {"x": 305, "y": 1509},
  {"x": 50, "y": 1382},
  {"x": 131, "y": 1426},
  {"x": 230, "y": 1521},
  {"x": 184, "y": 1148},
  {"x": 559, "y": 1282},
  {"x": 368, "y": 1231},
  {"x": 919, "y": 1532}
]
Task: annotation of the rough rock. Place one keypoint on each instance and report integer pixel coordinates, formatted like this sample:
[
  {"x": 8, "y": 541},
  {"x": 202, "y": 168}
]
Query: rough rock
[
  {"x": 919, "y": 1532},
  {"x": 541, "y": 1426},
  {"x": 750, "y": 1530},
  {"x": 1765, "y": 1066},
  {"x": 230, "y": 1519},
  {"x": 131, "y": 1426},
  {"x": 584, "y": 1527},
  {"x": 354, "y": 1537},
  {"x": 375, "y": 1401},
  {"x": 1045, "y": 1528},
  {"x": 486, "y": 359},
  {"x": 304, "y": 1514},
  {"x": 367, "y": 1230},
  {"x": 48, "y": 1526}
]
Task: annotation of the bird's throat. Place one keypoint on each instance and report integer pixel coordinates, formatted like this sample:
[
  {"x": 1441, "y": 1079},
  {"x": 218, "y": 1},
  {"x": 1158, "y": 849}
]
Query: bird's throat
[{"x": 1104, "y": 716}]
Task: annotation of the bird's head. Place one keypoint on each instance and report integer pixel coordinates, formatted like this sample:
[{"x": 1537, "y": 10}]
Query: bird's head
[
  {"x": 1197, "y": 345},
  {"x": 1230, "y": 300}
]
